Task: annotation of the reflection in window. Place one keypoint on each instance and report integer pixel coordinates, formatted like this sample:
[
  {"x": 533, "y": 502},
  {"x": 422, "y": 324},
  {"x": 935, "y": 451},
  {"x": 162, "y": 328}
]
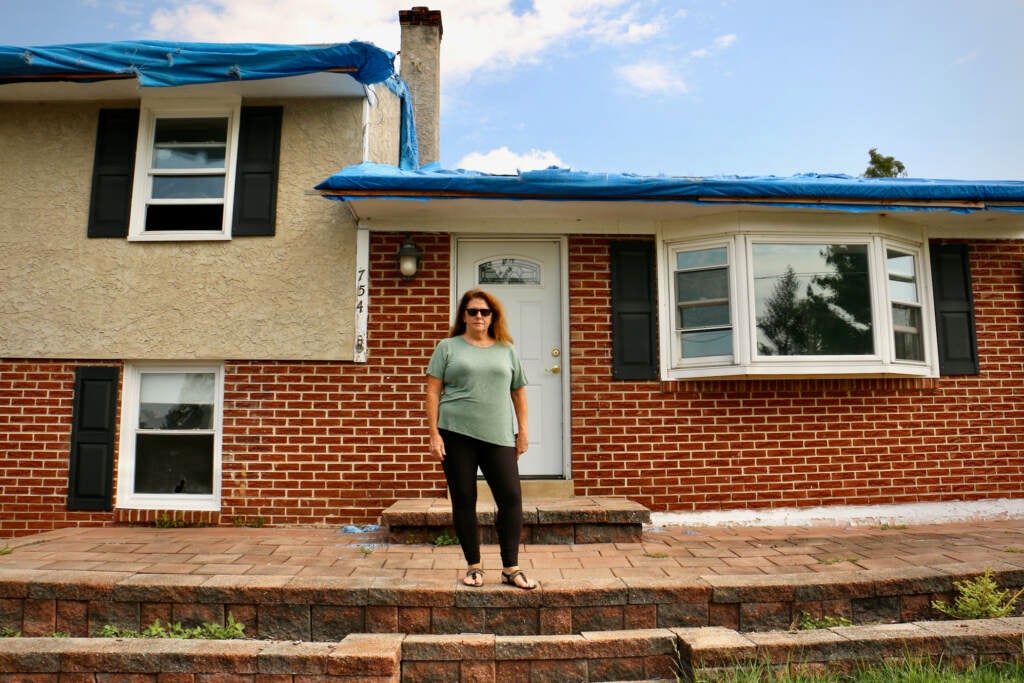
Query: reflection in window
[
  {"x": 702, "y": 298},
  {"x": 812, "y": 299},
  {"x": 508, "y": 271},
  {"x": 174, "y": 438}
]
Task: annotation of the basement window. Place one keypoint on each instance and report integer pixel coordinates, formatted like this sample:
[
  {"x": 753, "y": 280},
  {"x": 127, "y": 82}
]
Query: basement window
[{"x": 171, "y": 438}]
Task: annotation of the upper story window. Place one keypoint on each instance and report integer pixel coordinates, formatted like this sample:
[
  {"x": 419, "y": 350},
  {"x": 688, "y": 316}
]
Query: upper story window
[
  {"x": 778, "y": 300},
  {"x": 185, "y": 171}
]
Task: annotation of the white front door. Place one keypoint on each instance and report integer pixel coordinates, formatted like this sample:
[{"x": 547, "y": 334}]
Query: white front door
[{"x": 526, "y": 276}]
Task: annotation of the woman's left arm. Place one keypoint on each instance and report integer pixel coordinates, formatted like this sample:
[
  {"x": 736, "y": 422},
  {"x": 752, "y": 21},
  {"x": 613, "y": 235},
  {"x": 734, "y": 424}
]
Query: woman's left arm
[{"x": 522, "y": 417}]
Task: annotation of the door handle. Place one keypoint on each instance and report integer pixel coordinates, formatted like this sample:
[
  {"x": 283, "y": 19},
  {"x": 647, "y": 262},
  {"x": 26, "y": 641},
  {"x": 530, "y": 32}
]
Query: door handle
[{"x": 554, "y": 369}]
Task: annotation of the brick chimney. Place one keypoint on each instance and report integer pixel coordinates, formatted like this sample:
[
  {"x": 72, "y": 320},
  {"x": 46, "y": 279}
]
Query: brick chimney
[{"x": 421, "y": 70}]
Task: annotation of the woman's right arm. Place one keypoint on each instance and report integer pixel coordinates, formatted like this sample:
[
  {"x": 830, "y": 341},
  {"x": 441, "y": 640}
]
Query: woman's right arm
[{"x": 432, "y": 405}]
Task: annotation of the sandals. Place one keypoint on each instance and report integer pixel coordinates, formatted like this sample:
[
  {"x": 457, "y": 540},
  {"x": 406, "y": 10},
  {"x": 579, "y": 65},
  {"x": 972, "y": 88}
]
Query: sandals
[
  {"x": 474, "y": 575},
  {"x": 510, "y": 579}
]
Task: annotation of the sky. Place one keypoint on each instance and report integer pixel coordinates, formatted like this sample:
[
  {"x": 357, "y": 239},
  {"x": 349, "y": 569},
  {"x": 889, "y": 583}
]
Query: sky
[{"x": 656, "y": 87}]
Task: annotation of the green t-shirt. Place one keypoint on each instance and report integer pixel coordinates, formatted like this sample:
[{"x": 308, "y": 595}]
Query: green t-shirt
[{"x": 476, "y": 399}]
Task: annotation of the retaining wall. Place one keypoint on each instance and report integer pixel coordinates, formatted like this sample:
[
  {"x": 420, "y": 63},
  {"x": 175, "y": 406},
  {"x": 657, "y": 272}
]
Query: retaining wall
[{"x": 607, "y": 656}]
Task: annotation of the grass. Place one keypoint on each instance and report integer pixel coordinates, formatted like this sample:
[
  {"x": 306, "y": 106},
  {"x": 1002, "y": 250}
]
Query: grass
[
  {"x": 809, "y": 623},
  {"x": 905, "y": 671},
  {"x": 232, "y": 630}
]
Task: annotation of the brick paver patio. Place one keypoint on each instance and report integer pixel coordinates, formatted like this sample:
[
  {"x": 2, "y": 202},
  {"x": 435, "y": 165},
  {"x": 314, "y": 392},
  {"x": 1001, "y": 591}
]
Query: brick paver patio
[{"x": 663, "y": 552}]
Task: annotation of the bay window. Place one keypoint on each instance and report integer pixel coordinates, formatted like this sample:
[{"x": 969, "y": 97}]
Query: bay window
[{"x": 767, "y": 300}]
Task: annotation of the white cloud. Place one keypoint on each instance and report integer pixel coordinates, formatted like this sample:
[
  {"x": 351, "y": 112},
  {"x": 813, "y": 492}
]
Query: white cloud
[
  {"x": 967, "y": 58},
  {"x": 651, "y": 78},
  {"x": 483, "y": 34},
  {"x": 724, "y": 42},
  {"x": 626, "y": 29},
  {"x": 717, "y": 45},
  {"x": 503, "y": 161}
]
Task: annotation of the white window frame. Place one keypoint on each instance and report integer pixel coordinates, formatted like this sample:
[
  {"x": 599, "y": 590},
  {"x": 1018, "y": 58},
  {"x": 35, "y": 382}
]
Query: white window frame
[
  {"x": 153, "y": 109},
  {"x": 676, "y": 333},
  {"x": 740, "y": 233},
  {"x": 127, "y": 498},
  {"x": 919, "y": 275}
]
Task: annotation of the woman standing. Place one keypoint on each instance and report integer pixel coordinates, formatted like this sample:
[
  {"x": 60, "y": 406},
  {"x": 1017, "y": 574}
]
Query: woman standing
[{"x": 474, "y": 380}]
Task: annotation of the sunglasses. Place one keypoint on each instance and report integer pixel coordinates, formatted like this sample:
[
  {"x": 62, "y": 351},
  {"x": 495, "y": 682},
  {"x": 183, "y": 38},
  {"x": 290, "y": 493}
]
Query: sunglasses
[{"x": 474, "y": 312}]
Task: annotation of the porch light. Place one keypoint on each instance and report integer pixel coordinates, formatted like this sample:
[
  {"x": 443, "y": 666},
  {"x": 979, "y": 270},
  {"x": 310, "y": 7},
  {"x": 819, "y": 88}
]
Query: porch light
[{"x": 408, "y": 257}]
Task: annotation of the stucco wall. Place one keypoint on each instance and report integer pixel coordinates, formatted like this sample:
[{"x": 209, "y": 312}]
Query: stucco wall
[
  {"x": 65, "y": 296},
  {"x": 384, "y": 120}
]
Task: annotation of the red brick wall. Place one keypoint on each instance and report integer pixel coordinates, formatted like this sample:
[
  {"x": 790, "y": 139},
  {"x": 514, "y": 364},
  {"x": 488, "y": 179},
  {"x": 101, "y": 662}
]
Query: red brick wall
[
  {"x": 784, "y": 442},
  {"x": 35, "y": 441},
  {"x": 335, "y": 443}
]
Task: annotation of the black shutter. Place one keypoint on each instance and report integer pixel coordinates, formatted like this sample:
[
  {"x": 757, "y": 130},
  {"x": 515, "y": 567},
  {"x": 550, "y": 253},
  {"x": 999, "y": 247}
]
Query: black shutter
[
  {"x": 113, "y": 172},
  {"x": 93, "y": 426},
  {"x": 634, "y": 311},
  {"x": 259, "y": 139},
  {"x": 954, "y": 309}
]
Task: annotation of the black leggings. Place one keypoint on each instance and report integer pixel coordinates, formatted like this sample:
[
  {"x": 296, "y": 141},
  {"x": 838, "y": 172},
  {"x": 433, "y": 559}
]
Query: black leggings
[{"x": 500, "y": 467}]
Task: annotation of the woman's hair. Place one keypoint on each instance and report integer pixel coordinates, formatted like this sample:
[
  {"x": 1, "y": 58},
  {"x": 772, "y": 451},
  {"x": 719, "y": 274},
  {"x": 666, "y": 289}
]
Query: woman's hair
[{"x": 498, "y": 329}]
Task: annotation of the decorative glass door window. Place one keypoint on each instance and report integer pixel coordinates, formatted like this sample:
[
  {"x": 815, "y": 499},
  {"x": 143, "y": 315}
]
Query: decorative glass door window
[{"x": 508, "y": 271}]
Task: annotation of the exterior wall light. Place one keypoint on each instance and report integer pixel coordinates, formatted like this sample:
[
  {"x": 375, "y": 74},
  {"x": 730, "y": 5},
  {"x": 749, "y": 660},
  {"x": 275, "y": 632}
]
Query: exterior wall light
[{"x": 408, "y": 257}]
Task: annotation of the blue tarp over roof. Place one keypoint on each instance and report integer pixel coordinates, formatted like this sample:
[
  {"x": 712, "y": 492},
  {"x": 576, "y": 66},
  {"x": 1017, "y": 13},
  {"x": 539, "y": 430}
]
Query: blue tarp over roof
[
  {"x": 558, "y": 184},
  {"x": 170, "y": 64}
]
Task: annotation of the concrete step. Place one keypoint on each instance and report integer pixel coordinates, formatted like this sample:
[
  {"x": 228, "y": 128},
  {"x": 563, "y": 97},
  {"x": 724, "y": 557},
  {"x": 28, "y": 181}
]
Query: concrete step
[{"x": 553, "y": 521}]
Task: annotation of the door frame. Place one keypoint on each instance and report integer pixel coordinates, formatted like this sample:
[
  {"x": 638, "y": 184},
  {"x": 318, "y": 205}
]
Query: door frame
[{"x": 563, "y": 307}]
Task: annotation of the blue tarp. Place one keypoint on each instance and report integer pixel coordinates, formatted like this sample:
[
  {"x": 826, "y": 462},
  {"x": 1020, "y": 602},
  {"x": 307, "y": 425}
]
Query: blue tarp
[
  {"x": 559, "y": 184},
  {"x": 168, "y": 64}
]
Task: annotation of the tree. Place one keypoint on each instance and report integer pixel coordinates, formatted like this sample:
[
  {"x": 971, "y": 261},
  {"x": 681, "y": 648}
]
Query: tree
[
  {"x": 784, "y": 321},
  {"x": 881, "y": 166}
]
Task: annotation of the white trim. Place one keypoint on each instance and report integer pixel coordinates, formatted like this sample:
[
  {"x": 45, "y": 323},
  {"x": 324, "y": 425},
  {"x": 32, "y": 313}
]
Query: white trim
[
  {"x": 740, "y": 233},
  {"x": 152, "y": 109},
  {"x": 362, "y": 288},
  {"x": 126, "y": 496},
  {"x": 853, "y": 515}
]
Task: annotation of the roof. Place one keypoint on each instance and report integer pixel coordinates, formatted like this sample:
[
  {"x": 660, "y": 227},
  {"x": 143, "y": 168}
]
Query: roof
[
  {"x": 158, "y": 64},
  {"x": 836, "y": 192},
  {"x": 169, "y": 64}
]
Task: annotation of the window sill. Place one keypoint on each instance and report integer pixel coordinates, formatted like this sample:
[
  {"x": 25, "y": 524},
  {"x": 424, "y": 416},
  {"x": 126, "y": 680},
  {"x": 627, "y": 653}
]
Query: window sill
[
  {"x": 181, "y": 236},
  {"x": 802, "y": 384},
  {"x": 170, "y": 502}
]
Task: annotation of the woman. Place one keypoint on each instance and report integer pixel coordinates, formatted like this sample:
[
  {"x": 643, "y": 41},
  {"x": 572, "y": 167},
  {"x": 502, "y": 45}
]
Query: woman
[{"x": 474, "y": 380}]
